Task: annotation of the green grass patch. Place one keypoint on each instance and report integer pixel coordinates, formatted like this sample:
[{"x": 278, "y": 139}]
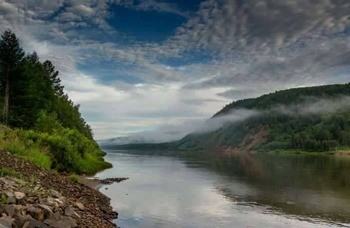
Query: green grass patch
[
  {"x": 7, "y": 172},
  {"x": 4, "y": 199},
  {"x": 74, "y": 177}
]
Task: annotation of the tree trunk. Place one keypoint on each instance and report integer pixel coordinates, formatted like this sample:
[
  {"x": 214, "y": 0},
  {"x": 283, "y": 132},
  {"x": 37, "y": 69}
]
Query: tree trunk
[{"x": 5, "y": 112}]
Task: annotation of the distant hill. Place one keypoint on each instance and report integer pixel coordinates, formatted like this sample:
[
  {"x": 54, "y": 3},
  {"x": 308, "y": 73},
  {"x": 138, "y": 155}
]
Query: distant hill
[{"x": 309, "y": 119}]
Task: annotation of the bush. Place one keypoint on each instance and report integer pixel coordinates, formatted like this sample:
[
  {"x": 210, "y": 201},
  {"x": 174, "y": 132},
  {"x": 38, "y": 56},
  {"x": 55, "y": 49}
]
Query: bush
[{"x": 53, "y": 147}]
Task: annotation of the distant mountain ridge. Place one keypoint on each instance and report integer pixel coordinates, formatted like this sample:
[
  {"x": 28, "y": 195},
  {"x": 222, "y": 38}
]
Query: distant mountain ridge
[{"x": 309, "y": 119}]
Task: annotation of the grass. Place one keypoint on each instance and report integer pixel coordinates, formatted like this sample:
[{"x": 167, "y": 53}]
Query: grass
[
  {"x": 6, "y": 172},
  {"x": 11, "y": 141},
  {"x": 62, "y": 150},
  {"x": 4, "y": 199},
  {"x": 74, "y": 177}
]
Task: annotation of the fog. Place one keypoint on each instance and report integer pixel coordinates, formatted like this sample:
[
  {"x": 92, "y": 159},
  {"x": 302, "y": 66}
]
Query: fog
[{"x": 167, "y": 133}]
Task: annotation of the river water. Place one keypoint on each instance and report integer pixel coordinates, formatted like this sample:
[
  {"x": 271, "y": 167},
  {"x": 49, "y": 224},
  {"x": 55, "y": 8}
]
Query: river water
[{"x": 196, "y": 190}]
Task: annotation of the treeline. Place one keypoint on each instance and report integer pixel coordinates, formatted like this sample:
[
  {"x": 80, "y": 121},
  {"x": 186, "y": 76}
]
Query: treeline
[
  {"x": 29, "y": 86},
  {"x": 32, "y": 99},
  {"x": 288, "y": 97}
]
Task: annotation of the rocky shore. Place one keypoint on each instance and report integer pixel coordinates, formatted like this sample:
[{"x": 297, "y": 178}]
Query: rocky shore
[{"x": 34, "y": 197}]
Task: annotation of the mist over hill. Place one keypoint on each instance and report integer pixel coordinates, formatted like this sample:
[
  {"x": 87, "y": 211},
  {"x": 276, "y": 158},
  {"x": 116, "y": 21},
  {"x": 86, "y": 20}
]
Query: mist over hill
[{"x": 310, "y": 119}]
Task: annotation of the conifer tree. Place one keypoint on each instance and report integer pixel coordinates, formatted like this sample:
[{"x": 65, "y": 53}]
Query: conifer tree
[{"x": 11, "y": 55}]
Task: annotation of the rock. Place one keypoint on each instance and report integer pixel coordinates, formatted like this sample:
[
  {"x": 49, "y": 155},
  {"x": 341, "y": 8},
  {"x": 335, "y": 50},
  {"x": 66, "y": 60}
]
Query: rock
[
  {"x": 31, "y": 200},
  {"x": 69, "y": 211},
  {"x": 61, "y": 201},
  {"x": 20, "y": 196},
  {"x": 55, "y": 216},
  {"x": 47, "y": 210},
  {"x": 9, "y": 210},
  {"x": 64, "y": 223},
  {"x": 34, "y": 224},
  {"x": 20, "y": 220},
  {"x": 80, "y": 206},
  {"x": 19, "y": 181},
  {"x": 6, "y": 221},
  {"x": 18, "y": 207},
  {"x": 36, "y": 213},
  {"x": 8, "y": 194},
  {"x": 11, "y": 200},
  {"x": 51, "y": 202},
  {"x": 55, "y": 193},
  {"x": 37, "y": 188}
]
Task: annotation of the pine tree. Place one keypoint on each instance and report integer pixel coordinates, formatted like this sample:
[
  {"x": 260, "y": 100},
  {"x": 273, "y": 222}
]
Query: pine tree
[
  {"x": 55, "y": 80},
  {"x": 11, "y": 55}
]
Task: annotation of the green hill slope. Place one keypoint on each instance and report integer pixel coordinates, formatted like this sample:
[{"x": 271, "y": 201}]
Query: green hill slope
[{"x": 310, "y": 119}]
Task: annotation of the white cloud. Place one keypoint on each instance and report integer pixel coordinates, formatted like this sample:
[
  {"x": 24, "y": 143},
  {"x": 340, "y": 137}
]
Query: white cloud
[
  {"x": 254, "y": 47},
  {"x": 7, "y": 8}
]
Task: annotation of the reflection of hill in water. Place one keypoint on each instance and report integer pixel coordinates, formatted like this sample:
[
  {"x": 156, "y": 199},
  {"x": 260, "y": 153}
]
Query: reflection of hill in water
[{"x": 306, "y": 186}]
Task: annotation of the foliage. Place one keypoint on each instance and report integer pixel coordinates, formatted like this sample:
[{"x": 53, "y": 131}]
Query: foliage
[
  {"x": 35, "y": 87},
  {"x": 43, "y": 124},
  {"x": 316, "y": 132}
]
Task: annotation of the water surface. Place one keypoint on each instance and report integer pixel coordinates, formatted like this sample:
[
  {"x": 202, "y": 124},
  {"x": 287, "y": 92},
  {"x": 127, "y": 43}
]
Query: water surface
[{"x": 244, "y": 191}]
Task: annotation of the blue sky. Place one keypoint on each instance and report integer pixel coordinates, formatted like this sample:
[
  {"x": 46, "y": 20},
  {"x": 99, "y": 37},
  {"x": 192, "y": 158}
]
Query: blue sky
[{"x": 161, "y": 67}]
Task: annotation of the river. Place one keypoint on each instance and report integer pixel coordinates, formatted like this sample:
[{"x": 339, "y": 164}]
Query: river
[{"x": 195, "y": 190}]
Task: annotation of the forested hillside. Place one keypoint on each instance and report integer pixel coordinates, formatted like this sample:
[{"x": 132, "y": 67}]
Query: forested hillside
[
  {"x": 39, "y": 120},
  {"x": 309, "y": 119},
  {"x": 314, "y": 119}
]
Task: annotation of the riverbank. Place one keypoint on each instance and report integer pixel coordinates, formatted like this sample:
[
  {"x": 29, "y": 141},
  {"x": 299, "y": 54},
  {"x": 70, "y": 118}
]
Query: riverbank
[
  {"x": 342, "y": 152},
  {"x": 37, "y": 197},
  {"x": 98, "y": 183}
]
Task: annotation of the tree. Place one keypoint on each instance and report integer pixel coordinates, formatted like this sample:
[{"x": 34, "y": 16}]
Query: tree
[
  {"x": 11, "y": 55},
  {"x": 55, "y": 80}
]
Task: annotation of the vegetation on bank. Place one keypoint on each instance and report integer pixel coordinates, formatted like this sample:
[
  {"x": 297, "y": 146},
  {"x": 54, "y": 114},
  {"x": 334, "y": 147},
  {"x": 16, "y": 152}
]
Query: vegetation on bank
[{"x": 40, "y": 122}]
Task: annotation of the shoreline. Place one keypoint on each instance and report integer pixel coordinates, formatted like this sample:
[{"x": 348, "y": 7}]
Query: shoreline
[
  {"x": 97, "y": 184},
  {"x": 339, "y": 153}
]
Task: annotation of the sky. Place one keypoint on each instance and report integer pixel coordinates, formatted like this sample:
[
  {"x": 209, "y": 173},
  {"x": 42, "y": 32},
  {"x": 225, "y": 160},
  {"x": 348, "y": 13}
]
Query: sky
[{"x": 151, "y": 66}]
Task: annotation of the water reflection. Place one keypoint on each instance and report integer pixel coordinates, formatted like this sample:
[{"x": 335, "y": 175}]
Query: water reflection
[{"x": 201, "y": 190}]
